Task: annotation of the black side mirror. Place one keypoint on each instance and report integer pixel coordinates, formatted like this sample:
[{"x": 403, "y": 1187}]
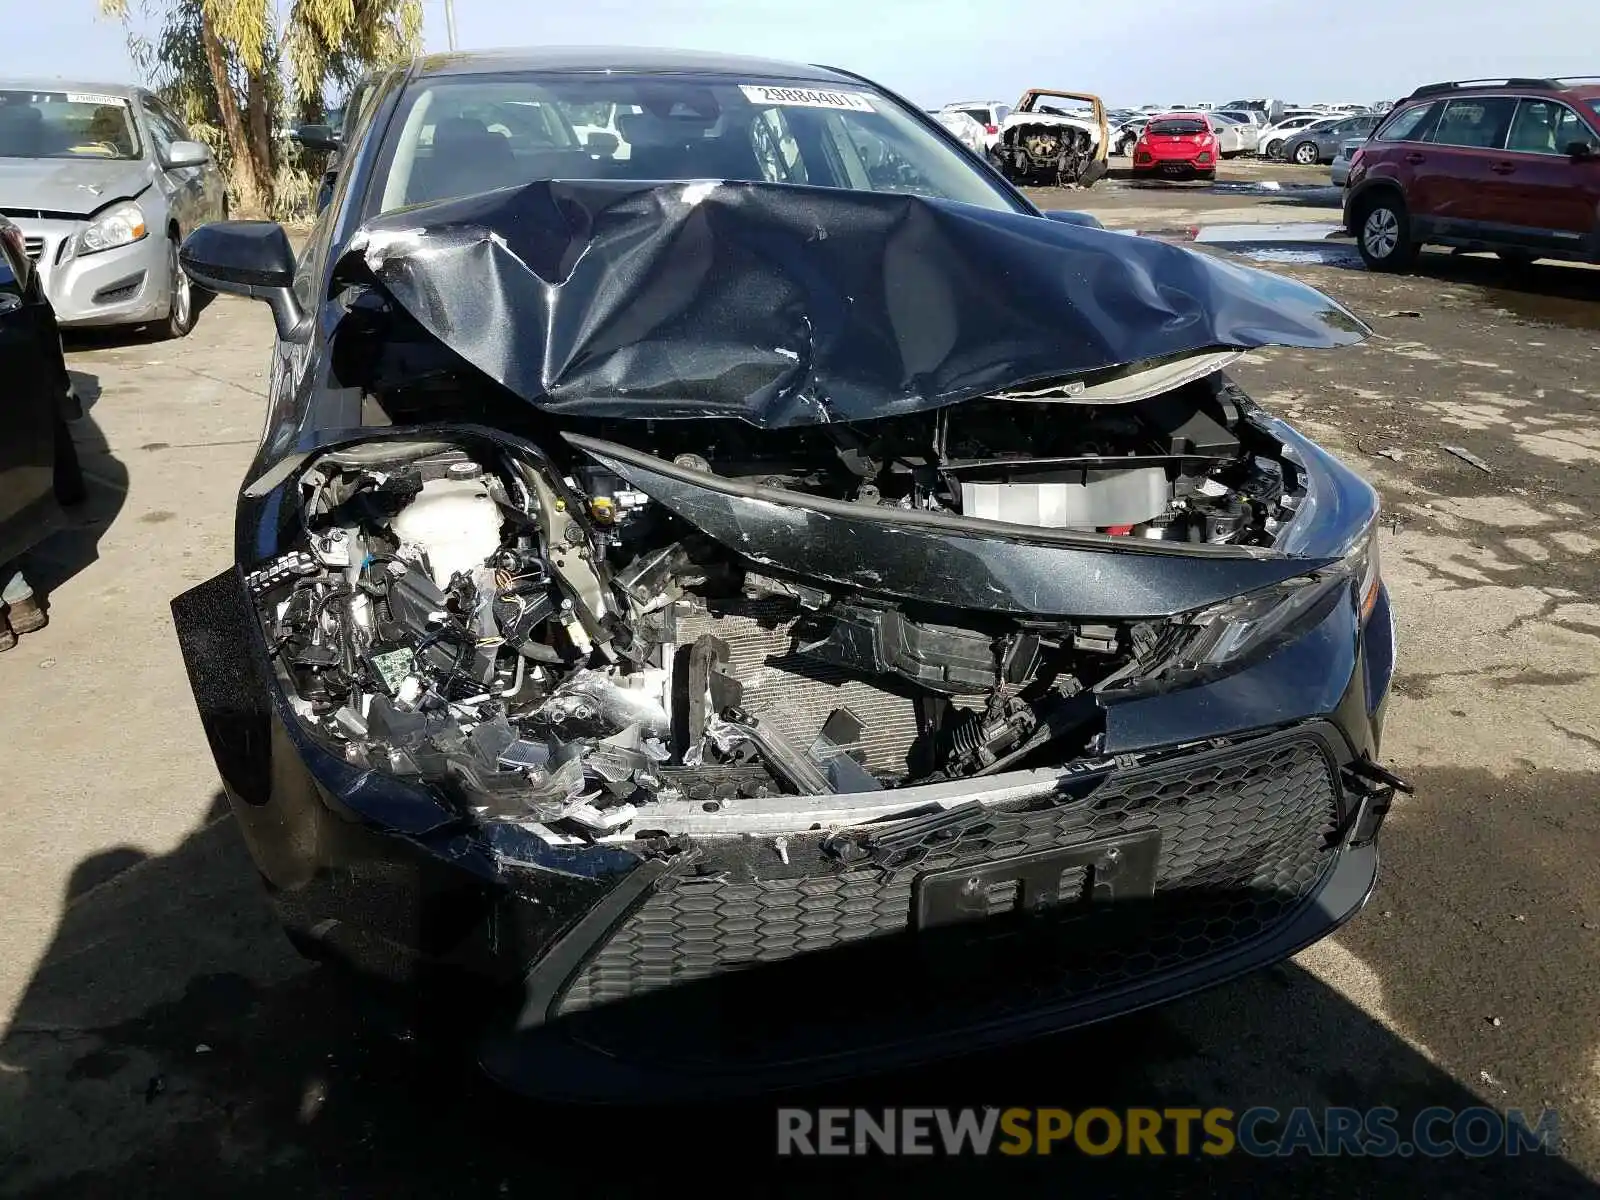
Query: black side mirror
[
  {"x": 601, "y": 143},
  {"x": 1580, "y": 150},
  {"x": 316, "y": 137},
  {"x": 248, "y": 258}
]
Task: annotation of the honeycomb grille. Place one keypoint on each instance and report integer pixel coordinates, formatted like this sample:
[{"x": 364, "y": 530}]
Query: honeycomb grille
[{"x": 1246, "y": 834}]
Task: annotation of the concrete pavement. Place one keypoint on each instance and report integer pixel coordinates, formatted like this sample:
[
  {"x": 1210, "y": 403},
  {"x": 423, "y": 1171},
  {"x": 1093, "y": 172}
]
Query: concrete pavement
[{"x": 160, "y": 1035}]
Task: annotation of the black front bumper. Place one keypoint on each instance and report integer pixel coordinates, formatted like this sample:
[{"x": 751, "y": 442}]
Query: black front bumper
[
  {"x": 734, "y": 965},
  {"x": 762, "y": 975},
  {"x": 580, "y": 1063}
]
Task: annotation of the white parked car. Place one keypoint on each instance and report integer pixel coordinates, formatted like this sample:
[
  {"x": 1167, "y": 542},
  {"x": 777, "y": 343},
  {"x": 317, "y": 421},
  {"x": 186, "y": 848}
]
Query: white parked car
[
  {"x": 1233, "y": 137},
  {"x": 1271, "y": 139},
  {"x": 1340, "y": 173},
  {"x": 967, "y": 130},
  {"x": 1127, "y": 133},
  {"x": 990, "y": 115},
  {"x": 1252, "y": 117}
]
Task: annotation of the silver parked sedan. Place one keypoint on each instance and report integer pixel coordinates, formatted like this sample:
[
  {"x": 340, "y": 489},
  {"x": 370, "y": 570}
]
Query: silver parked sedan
[
  {"x": 105, "y": 182},
  {"x": 1340, "y": 174}
]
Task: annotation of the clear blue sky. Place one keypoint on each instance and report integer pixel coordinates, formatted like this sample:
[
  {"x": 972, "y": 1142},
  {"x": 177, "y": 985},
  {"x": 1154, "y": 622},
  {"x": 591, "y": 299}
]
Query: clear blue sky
[{"x": 1159, "y": 51}]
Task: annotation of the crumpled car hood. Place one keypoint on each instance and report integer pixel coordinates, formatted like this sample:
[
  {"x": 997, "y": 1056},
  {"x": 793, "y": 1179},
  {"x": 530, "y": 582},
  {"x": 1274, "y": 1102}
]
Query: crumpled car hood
[
  {"x": 78, "y": 186},
  {"x": 787, "y": 305}
]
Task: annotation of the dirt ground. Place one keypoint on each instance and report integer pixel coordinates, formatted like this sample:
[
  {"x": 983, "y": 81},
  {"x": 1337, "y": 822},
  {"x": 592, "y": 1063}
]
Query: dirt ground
[{"x": 160, "y": 1037}]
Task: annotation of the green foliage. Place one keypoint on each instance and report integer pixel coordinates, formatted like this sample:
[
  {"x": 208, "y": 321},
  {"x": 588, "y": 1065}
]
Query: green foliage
[{"x": 291, "y": 56}]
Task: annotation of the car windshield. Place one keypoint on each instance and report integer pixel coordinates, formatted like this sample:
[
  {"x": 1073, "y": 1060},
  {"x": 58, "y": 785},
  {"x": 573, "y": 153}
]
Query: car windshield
[
  {"x": 1177, "y": 126},
  {"x": 66, "y": 125},
  {"x": 459, "y": 135}
]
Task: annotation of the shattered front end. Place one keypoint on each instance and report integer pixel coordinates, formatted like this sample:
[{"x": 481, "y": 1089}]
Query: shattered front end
[{"x": 816, "y": 732}]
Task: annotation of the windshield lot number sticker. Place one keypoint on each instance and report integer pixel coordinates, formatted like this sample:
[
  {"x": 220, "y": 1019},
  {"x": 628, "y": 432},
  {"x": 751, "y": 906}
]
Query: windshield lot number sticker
[
  {"x": 94, "y": 98},
  {"x": 760, "y": 93}
]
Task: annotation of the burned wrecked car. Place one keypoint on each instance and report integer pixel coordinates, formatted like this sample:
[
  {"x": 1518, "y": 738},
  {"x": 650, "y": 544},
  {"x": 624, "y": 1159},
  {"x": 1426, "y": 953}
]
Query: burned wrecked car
[
  {"x": 1054, "y": 139},
  {"x": 730, "y": 617}
]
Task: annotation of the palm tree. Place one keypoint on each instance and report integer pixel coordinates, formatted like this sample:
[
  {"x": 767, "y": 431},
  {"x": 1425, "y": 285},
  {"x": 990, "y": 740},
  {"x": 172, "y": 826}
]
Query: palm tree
[{"x": 228, "y": 64}]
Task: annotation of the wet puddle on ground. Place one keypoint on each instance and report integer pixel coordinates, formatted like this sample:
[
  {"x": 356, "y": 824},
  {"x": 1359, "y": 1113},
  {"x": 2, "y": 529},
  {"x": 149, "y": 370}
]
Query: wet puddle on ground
[
  {"x": 1287, "y": 243},
  {"x": 1546, "y": 293},
  {"x": 1323, "y": 194},
  {"x": 1305, "y": 256},
  {"x": 1303, "y": 243}
]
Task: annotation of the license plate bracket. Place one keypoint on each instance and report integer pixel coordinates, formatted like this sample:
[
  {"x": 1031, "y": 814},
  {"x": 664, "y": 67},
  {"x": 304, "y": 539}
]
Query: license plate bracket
[{"x": 1115, "y": 868}]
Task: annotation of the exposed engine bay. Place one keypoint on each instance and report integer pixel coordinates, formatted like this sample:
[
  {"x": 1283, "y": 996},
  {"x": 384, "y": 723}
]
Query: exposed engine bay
[
  {"x": 543, "y": 642},
  {"x": 1054, "y": 138},
  {"x": 1052, "y": 154}
]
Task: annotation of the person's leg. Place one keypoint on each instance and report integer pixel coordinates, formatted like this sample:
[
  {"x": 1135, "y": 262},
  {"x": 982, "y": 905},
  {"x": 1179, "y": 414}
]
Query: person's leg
[{"x": 23, "y": 611}]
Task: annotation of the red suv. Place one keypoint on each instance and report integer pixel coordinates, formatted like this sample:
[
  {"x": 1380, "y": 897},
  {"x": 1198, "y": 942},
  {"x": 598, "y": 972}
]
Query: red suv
[
  {"x": 1177, "y": 144},
  {"x": 1509, "y": 165}
]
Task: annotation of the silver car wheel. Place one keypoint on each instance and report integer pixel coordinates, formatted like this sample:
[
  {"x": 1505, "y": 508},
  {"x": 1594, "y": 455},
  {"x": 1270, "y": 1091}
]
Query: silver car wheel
[
  {"x": 1305, "y": 154},
  {"x": 1380, "y": 234},
  {"x": 182, "y": 293}
]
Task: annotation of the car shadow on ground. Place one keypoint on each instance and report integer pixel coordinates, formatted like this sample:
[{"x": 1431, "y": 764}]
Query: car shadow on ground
[
  {"x": 169, "y": 1043},
  {"x": 75, "y": 546},
  {"x": 112, "y": 337},
  {"x": 1544, "y": 292}
]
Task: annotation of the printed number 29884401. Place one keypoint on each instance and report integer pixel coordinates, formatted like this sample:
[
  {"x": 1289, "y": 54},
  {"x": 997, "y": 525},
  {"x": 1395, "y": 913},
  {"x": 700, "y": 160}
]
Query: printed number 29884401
[{"x": 801, "y": 97}]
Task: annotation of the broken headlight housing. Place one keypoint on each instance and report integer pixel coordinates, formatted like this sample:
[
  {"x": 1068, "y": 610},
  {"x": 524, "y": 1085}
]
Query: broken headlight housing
[{"x": 1248, "y": 627}]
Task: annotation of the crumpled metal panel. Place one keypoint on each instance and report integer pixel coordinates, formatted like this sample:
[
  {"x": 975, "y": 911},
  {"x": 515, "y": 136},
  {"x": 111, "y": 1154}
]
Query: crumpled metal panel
[
  {"x": 1244, "y": 838},
  {"x": 958, "y": 562},
  {"x": 786, "y": 305}
]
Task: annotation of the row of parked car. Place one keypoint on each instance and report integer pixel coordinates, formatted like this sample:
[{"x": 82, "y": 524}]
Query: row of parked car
[
  {"x": 1306, "y": 136},
  {"x": 1506, "y": 165}
]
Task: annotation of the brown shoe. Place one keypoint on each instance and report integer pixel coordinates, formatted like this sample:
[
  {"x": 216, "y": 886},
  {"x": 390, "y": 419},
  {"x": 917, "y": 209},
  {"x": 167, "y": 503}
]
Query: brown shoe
[
  {"x": 26, "y": 616},
  {"x": 7, "y": 638}
]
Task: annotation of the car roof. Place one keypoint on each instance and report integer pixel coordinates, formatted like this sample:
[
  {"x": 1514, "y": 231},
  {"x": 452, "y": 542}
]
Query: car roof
[
  {"x": 642, "y": 60},
  {"x": 1572, "y": 88},
  {"x": 1180, "y": 112},
  {"x": 126, "y": 91}
]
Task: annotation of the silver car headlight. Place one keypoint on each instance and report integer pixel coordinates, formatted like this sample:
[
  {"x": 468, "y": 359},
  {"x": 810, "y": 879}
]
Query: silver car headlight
[{"x": 120, "y": 226}]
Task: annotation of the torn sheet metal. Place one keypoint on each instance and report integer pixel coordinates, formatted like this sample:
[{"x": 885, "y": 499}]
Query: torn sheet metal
[
  {"x": 955, "y": 561},
  {"x": 786, "y": 305}
]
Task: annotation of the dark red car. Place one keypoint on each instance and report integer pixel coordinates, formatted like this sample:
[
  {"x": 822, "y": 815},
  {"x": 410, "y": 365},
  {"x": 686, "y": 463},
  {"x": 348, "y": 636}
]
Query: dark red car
[
  {"x": 1508, "y": 165},
  {"x": 1178, "y": 145}
]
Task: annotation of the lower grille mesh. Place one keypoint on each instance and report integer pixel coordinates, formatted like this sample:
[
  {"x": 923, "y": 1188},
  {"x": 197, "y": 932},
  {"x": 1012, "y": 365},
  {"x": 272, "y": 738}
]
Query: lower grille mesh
[{"x": 1245, "y": 836}]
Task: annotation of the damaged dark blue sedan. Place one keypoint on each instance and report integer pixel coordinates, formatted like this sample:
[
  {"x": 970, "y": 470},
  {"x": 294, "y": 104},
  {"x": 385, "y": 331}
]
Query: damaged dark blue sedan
[{"x": 737, "y": 596}]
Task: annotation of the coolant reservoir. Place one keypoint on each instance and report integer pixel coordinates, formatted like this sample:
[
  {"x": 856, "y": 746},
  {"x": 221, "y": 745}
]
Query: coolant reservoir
[{"x": 455, "y": 521}]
